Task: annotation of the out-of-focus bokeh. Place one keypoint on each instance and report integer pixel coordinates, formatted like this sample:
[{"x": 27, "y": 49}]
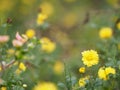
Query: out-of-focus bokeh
[{"x": 69, "y": 20}]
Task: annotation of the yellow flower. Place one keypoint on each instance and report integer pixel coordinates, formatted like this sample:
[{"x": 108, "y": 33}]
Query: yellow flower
[
  {"x": 118, "y": 26},
  {"x": 105, "y": 33},
  {"x": 90, "y": 57},
  {"x": 45, "y": 86},
  {"x": 82, "y": 81},
  {"x": 47, "y": 45},
  {"x": 70, "y": 20},
  {"x": 11, "y": 51},
  {"x": 58, "y": 67},
  {"x": 30, "y": 33},
  {"x": 41, "y": 18},
  {"x": 3, "y": 88},
  {"x": 18, "y": 71},
  {"x": 110, "y": 70},
  {"x": 82, "y": 70},
  {"x": 104, "y": 72},
  {"x": 47, "y": 8},
  {"x": 22, "y": 66}
]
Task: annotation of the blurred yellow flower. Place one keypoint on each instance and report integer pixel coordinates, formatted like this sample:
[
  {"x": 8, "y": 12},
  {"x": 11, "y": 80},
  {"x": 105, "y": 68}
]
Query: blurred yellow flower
[
  {"x": 45, "y": 86},
  {"x": 82, "y": 81},
  {"x": 70, "y": 20},
  {"x": 10, "y": 51},
  {"x": 30, "y": 33},
  {"x": 22, "y": 66},
  {"x": 82, "y": 69},
  {"x": 110, "y": 70},
  {"x": 3, "y": 88},
  {"x": 47, "y": 45},
  {"x": 18, "y": 71},
  {"x": 104, "y": 72},
  {"x": 41, "y": 18},
  {"x": 105, "y": 33},
  {"x": 47, "y": 8},
  {"x": 90, "y": 57},
  {"x": 118, "y": 26},
  {"x": 58, "y": 67}
]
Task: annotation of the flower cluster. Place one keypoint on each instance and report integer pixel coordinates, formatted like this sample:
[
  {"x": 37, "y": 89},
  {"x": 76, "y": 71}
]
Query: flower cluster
[
  {"x": 101, "y": 67},
  {"x": 104, "y": 73}
]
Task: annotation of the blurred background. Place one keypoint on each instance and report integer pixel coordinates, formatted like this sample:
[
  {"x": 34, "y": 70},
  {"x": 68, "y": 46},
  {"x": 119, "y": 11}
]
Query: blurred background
[{"x": 72, "y": 24}]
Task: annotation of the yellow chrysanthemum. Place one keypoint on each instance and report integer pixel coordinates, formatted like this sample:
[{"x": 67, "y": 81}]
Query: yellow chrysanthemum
[
  {"x": 82, "y": 81},
  {"x": 47, "y": 45},
  {"x": 82, "y": 69},
  {"x": 30, "y": 33},
  {"x": 110, "y": 70},
  {"x": 45, "y": 86},
  {"x": 104, "y": 72},
  {"x": 90, "y": 57},
  {"x": 3, "y": 88},
  {"x": 41, "y": 18},
  {"x": 105, "y": 33},
  {"x": 58, "y": 67},
  {"x": 118, "y": 26}
]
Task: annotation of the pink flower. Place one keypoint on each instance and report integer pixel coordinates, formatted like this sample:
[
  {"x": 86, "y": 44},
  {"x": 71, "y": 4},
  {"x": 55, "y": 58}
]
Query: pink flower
[
  {"x": 4, "y": 38},
  {"x": 20, "y": 38},
  {"x": 17, "y": 43}
]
